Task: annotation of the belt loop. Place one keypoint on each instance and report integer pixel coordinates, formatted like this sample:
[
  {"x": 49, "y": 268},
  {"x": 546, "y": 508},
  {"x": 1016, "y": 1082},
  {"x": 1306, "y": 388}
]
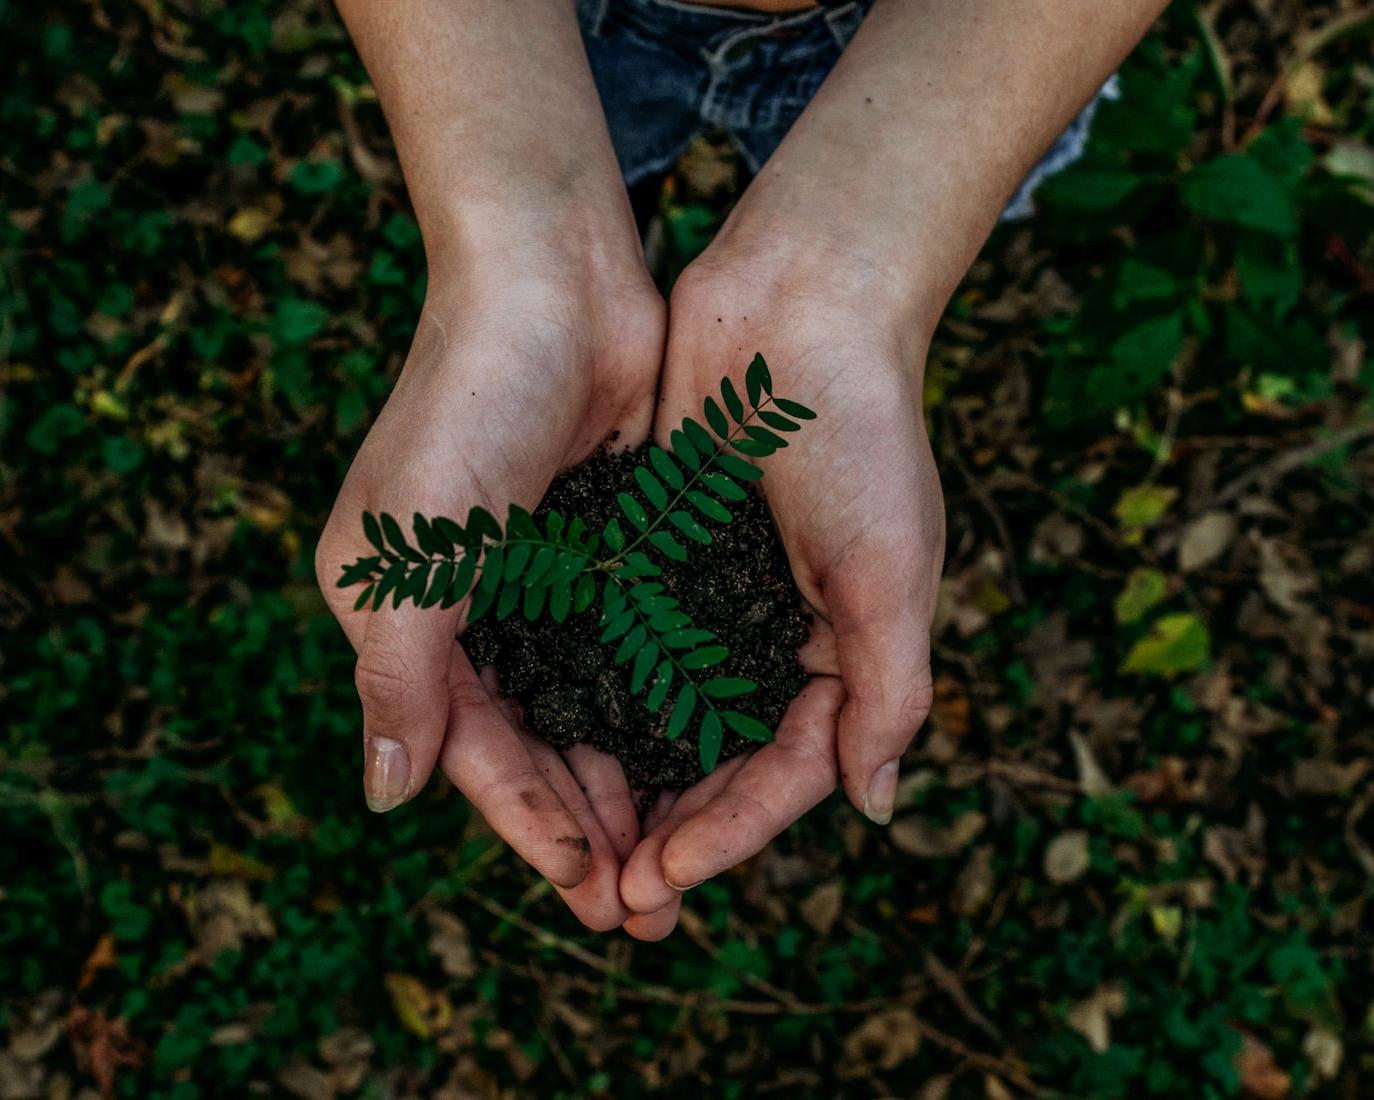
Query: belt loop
[{"x": 845, "y": 20}]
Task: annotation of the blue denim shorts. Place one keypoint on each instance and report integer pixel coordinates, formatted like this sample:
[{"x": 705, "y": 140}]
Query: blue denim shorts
[{"x": 667, "y": 70}]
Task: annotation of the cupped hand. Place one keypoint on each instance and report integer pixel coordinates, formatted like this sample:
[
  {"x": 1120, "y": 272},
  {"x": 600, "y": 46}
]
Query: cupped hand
[
  {"x": 518, "y": 369},
  {"x": 857, "y": 501}
]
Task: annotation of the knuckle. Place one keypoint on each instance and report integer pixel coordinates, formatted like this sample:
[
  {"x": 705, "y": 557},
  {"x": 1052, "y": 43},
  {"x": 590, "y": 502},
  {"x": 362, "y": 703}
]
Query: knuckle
[{"x": 384, "y": 681}]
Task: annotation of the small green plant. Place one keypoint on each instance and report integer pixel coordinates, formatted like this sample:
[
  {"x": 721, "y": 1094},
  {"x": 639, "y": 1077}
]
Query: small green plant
[{"x": 565, "y": 568}]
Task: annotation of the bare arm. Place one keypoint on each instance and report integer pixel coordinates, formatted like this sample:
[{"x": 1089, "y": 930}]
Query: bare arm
[
  {"x": 836, "y": 264},
  {"x": 497, "y": 123},
  {"x": 538, "y": 311}
]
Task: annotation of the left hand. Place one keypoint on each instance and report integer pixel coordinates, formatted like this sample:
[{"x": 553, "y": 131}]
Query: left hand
[{"x": 857, "y": 501}]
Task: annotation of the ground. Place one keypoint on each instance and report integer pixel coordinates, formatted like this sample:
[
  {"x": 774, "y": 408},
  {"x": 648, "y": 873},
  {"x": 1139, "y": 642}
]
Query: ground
[{"x": 1134, "y": 847}]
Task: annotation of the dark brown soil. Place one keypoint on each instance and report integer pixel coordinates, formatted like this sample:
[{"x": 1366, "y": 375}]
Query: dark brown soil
[{"x": 570, "y": 691}]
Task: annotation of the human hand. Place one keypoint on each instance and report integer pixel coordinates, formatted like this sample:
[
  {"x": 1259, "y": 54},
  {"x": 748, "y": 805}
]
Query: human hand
[
  {"x": 857, "y": 501},
  {"x": 521, "y": 365}
]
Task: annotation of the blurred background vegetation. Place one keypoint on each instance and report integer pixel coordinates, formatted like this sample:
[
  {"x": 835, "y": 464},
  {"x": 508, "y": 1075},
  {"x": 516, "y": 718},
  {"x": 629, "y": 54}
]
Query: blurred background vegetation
[{"x": 1135, "y": 847}]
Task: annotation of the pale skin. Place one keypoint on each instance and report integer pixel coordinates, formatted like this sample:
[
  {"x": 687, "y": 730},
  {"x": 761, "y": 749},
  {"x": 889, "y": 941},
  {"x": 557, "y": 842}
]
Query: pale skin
[{"x": 836, "y": 264}]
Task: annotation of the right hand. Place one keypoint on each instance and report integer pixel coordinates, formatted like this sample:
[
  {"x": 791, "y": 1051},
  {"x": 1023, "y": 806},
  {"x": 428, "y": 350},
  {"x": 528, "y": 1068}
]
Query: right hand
[{"x": 523, "y": 362}]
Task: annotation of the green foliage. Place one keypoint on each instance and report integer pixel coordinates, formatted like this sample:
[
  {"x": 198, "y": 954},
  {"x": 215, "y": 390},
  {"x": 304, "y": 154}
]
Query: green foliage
[{"x": 565, "y": 567}]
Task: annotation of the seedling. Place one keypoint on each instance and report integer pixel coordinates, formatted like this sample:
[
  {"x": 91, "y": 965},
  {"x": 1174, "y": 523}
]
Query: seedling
[{"x": 565, "y": 568}]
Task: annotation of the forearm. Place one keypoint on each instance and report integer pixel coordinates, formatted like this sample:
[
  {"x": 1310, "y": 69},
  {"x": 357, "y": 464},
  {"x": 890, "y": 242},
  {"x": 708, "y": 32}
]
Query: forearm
[
  {"x": 497, "y": 124},
  {"x": 901, "y": 164}
]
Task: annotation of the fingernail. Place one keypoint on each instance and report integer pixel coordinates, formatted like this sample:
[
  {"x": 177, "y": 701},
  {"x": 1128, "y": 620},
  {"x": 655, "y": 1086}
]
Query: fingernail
[
  {"x": 684, "y": 889},
  {"x": 386, "y": 774},
  {"x": 882, "y": 794}
]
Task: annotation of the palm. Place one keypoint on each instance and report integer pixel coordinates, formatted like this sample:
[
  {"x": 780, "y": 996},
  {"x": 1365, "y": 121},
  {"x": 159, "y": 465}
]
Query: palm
[
  {"x": 858, "y": 505},
  {"x": 487, "y": 411}
]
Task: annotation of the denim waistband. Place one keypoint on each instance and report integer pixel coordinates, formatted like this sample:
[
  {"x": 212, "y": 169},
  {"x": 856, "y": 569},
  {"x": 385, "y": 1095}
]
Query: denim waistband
[{"x": 719, "y": 33}]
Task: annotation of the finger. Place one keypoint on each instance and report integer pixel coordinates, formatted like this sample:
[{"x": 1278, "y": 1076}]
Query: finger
[
  {"x": 884, "y": 659},
  {"x": 595, "y": 901},
  {"x": 608, "y": 792},
  {"x": 818, "y": 654},
  {"x": 776, "y": 786},
  {"x": 402, "y": 681},
  {"x": 487, "y": 760},
  {"x": 642, "y": 886},
  {"x": 652, "y": 927}
]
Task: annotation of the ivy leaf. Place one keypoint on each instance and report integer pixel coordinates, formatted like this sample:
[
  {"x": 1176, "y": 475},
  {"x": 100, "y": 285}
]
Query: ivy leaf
[
  {"x": 708, "y": 741},
  {"x": 746, "y": 726},
  {"x": 1176, "y": 643},
  {"x": 1144, "y": 588},
  {"x": 682, "y": 711}
]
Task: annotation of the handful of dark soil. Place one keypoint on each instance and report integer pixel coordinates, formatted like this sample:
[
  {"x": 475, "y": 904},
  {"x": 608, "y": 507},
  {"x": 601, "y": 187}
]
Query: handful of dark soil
[{"x": 740, "y": 586}]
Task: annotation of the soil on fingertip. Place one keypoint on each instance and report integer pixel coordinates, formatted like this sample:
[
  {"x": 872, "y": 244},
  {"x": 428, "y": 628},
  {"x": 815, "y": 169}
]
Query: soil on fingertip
[{"x": 570, "y": 691}]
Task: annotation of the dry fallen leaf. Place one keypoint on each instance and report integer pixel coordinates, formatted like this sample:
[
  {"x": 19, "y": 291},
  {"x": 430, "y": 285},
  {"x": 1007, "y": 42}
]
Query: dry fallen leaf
[
  {"x": 885, "y": 1039},
  {"x": 822, "y": 908},
  {"x": 422, "y": 1011},
  {"x": 1092, "y": 1017},
  {"x": 1205, "y": 539},
  {"x": 918, "y": 837},
  {"x": 1260, "y": 1077},
  {"x": 1067, "y": 857}
]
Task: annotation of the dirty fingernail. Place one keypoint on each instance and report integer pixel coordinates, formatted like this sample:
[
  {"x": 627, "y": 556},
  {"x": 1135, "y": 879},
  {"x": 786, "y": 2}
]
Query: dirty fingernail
[
  {"x": 386, "y": 774},
  {"x": 882, "y": 793}
]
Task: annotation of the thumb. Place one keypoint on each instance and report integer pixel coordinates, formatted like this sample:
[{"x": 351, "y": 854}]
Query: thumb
[
  {"x": 884, "y": 659},
  {"x": 402, "y": 680}
]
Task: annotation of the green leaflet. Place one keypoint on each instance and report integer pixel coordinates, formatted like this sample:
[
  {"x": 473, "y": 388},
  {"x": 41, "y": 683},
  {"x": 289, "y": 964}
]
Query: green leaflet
[{"x": 565, "y": 569}]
